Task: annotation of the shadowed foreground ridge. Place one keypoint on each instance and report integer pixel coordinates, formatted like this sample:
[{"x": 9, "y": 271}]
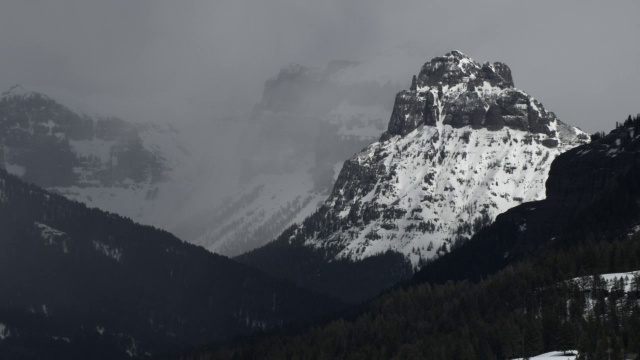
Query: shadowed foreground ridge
[{"x": 80, "y": 283}]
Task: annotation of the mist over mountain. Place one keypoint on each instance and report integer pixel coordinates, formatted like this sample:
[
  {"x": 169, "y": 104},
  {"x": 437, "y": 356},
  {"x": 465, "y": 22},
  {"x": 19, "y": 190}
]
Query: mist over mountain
[
  {"x": 319, "y": 180},
  {"x": 134, "y": 169},
  {"x": 462, "y": 146},
  {"x": 271, "y": 170},
  {"x": 290, "y": 150}
]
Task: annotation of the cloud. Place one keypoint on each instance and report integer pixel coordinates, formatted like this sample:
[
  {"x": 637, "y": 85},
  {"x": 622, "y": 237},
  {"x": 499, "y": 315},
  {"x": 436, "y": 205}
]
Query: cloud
[{"x": 167, "y": 60}]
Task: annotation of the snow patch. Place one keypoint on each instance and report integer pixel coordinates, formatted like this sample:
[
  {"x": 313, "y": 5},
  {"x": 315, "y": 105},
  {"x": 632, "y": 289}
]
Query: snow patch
[
  {"x": 4, "y": 331},
  {"x": 48, "y": 233},
  {"x": 61, "y": 338},
  {"x": 132, "y": 350},
  {"x": 107, "y": 250},
  {"x": 555, "y": 355},
  {"x": 53, "y": 237},
  {"x": 585, "y": 282}
]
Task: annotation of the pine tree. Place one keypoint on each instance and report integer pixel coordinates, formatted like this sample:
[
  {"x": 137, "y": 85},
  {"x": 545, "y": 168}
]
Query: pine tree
[
  {"x": 602, "y": 349},
  {"x": 566, "y": 340}
]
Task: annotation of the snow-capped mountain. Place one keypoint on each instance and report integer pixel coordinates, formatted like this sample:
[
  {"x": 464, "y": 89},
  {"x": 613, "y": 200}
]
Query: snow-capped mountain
[
  {"x": 308, "y": 121},
  {"x": 136, "y": 170},
  {"x": 462, "y": 146}
]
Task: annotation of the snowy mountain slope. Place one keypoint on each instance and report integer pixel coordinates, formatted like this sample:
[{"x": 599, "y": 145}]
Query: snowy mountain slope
[
  {"x": 564, "y": 355},
  {"x": 308, "y": 121},
  {"x": 462, "y": 146},
  {"x": 271, "y": 203},
  {"x": 142, "y": 171},
  {"x": 149, "y": 201},
  {"x": 439, "y": 185}
]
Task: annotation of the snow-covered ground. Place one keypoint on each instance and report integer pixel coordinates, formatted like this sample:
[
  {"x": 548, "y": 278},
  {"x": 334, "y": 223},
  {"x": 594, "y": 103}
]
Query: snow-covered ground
[
  {"x": 586, "y": 282},
  {"x": 555, "y": 355},
  {"x": 446, "y": 177}
]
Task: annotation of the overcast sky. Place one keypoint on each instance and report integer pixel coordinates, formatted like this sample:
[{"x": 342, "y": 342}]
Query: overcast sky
[{"x": 176, "y": 60}]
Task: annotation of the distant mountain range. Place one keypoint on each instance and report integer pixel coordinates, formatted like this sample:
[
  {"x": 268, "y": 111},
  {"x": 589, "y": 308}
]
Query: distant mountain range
[
  {"x": 274, "y": 167},
  {"x": 142, "y": 171}
]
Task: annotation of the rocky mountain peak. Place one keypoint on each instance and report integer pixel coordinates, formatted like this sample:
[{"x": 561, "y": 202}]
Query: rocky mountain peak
[
  {"x": 456, "y": 68},
  {"x": 456, "y": 90},
  {"x": 462, "y": 146}
]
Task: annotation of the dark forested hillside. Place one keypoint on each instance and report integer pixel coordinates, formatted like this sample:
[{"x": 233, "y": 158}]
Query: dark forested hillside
[
  {"x": 81, "y": 283},
  {"x": 514, "y": 297},
  {"x": 351, "y": 281},
  {"x": 520, "y": 311}
]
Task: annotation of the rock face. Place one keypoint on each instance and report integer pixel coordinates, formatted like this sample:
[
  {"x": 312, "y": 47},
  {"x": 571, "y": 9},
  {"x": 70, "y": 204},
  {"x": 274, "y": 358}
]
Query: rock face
[
  {"x": 468, "y": 94},
  {"x": 462, "y": 146}
]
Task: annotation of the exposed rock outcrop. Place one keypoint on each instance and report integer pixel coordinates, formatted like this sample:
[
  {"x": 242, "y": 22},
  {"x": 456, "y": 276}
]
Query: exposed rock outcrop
[{"x": 470, "y": 94}]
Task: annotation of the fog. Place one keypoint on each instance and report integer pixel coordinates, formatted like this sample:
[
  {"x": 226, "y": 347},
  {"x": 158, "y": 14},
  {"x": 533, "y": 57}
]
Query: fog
[
  {"x": 176, "y": 61},
  {"x": 202, "y": 66}
]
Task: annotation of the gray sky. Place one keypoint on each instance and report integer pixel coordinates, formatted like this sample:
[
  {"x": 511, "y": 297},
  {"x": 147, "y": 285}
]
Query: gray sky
[{"x": 176, "y": 60}]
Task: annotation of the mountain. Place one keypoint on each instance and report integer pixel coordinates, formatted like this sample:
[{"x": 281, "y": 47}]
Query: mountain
[
  {"x": 140, "y": 170},
  {"x": 547, "y": 276},
  {"x": 274, "y": 166},
  {"x": 80, "y": 283},
  {"x": 462, "y": 146},
  {"x": 308, "y": 121}
]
